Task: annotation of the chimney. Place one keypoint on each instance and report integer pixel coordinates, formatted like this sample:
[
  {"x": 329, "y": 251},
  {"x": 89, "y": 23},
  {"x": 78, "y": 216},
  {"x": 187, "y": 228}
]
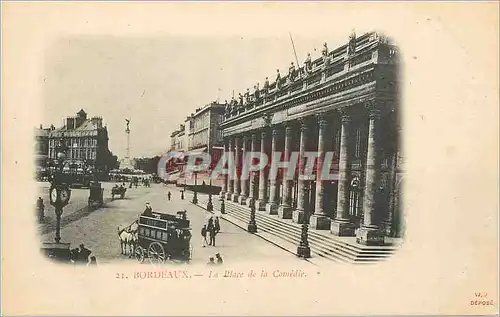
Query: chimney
[
  {"x": 80, "y": 118},
  {"x": 41, "y": 127},
  {"x": 97, "y": 122},
  {"x": 52, "y": 127},
  {"x": 70, "y": 123}
]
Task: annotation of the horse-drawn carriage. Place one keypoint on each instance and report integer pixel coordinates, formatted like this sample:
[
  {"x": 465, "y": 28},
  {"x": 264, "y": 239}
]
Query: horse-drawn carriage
[
  {"x": 118, "y": 191},
  {"x": 164, "y": 237},
  {"x": 96, "y": 195}
]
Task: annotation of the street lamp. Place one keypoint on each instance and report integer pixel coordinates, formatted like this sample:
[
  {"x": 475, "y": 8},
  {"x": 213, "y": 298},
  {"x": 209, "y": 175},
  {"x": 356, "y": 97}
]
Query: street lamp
[
  {"x": 210, "y": 206},
  {"x": 252, "y": 225},
  {"x": 303, "y": 250},
  {"x": 59, "y": 191},
  {"x": 195, "y": 195}
]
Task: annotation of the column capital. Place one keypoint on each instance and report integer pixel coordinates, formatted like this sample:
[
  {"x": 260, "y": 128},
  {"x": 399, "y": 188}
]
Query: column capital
[
  {"x": 254, "y": 136},
  {"x": 374, "y": 108},
  {"x": 304, "y": 123},
  {"x": 322, "y": 119}
]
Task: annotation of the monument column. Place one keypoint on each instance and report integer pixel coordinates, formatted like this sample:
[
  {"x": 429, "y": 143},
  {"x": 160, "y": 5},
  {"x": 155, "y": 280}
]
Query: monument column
[
  {"x": 370, "y": 233},
  {"x": 244, "y": 181},
  {"x": 285, "y": 210},
  {"x": 320, "y": 220},
  {"x": 230, "y": 171},
  {"x": 261, "y": 204},
  {"x": 341, "y": 226},
  {"x": 298, "y": 214},
  {"x": 272, "y": 205},
  {"x": 237, "y": 169}
]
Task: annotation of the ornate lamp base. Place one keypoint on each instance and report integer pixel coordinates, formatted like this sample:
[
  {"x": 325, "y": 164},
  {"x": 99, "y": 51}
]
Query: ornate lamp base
[
  {"x": 252, "y": 227},
  {"x": 303, "y": 251}
]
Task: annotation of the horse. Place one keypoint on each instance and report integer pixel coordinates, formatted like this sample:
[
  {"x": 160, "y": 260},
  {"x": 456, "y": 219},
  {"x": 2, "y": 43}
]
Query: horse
[{"x": 128, "y": 237}]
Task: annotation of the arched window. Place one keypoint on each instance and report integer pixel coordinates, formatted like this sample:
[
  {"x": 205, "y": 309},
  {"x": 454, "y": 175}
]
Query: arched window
[{"x": 354, "y": 198}]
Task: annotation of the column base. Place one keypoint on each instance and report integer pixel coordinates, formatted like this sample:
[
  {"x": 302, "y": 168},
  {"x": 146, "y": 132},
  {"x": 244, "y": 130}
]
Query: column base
[
  {"x": 285, "y": 212},
  {"x": 272, "y": 208},
  {"x": 249, "y": 201},
  {"x": 242, "y": 200},
  {"x": 229, "y": 195},
  {"x": 252, "y": 228},
  {"x": 261, "y": 205},
  {"x": 342, "y": 228},
  {"x": 322, "y": 222},
  {"x": 234, "y": 197},
  {"x": 298, "y": 216},
  {"x": 370, "y": 236}
]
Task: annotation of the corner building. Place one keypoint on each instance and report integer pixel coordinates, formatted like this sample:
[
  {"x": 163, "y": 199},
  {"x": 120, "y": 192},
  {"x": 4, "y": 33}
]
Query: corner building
[{"x": 346, "y": 102}]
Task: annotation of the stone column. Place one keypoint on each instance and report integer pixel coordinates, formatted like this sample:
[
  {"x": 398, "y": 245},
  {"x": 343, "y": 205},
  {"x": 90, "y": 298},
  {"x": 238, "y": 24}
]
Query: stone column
[
  {"x": 320, "y": 219},
  {"x": 244, "y": 182},
  {"x": 236, "y": 175},
  {"x": 261, "y": 204},
  {"x": 253, "y": 194},
  {"x": 272, "y": 205},
  {"x": 369, "y": 232},
  {"x": 230, "y": 181},
  {"x": 225, "y": 178},
  {"x": 342, "y": 226},
  {"x": 285, "y": 210},
  {"x": 298, "y": 214}
]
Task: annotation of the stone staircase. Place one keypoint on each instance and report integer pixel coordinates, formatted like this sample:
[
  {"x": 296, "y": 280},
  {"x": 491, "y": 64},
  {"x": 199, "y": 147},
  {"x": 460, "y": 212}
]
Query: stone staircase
[{"x": 322, "y": 244}]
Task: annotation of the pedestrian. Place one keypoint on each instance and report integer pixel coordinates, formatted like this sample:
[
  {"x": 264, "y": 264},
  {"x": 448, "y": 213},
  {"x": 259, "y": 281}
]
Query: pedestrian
[
  {"x": 41, "y": 209},
  {"x": 182, "y": 194},
  {"x": 211, "y": 231},
  {"x": 210, "y": 223},
  {"x": 204, "y": 236},
  {"x": 93, "y": 261},
  {"x": 211, "y": 261},
  {"x": 217, "y": 225},
  {"x": 219, "y": 259},
  {"x": 83, "y": 254},
  {"x": 169, "y": 195}
]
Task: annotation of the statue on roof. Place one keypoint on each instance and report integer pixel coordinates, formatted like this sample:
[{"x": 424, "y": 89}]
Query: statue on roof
[
  {"x": 247, "y": 96},
  {"x": 240, "y": 97},
  {"x": 351, "y": 46},
  {"x": 292, "y": 72},
  {"x": 324, "y": 53},
  {"x": 256, "y": 91},
  {"x": 308, "y": 64},
  {"x": 266, "y": 84},
  {"x": 278, "y": 79}
]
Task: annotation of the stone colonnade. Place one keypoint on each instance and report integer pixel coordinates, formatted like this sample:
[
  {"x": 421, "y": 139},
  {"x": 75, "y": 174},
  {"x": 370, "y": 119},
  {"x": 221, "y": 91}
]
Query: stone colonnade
[{"x": 275, "y": 195}]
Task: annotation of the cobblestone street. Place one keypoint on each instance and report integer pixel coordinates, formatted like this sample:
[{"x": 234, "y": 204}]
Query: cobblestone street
[{"x": 97, "y": 229}]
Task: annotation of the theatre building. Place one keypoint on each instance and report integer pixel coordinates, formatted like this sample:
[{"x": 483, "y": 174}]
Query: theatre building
[{"x": 345, "y": 101}]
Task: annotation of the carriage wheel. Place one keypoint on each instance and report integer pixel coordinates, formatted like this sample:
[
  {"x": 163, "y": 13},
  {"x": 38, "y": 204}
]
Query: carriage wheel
[
  {"x": 156, "y": 253},
  {"x": 140, "y": 254}
]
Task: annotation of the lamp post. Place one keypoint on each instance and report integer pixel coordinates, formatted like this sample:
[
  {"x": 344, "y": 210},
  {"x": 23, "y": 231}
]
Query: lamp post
[
  {"x": 195, "y": 195},
  {"x": 59, "y": 191},
  {"x": 303, "y": 250},
  {"x": 252, "y": 225},
  {"x": 210, "y": 206}
]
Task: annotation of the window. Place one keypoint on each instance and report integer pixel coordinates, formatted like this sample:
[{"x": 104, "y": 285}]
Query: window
[
  {"x": 357, "y": 152},
  {"x": 354, "y": 198}
]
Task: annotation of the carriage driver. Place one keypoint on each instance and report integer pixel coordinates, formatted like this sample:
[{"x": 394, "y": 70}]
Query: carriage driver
[{"x": 148, "y": 211}]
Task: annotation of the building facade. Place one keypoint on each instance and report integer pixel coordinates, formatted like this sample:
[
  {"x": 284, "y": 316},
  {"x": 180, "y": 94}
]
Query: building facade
[
  {"x": 178, "y": 139},
  {"x": 86, "y": 141},
  {"x": 345, "y": 102}
]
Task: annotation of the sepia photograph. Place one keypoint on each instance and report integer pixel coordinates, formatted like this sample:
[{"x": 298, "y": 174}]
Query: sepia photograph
[{"x": 319, "y": 149}]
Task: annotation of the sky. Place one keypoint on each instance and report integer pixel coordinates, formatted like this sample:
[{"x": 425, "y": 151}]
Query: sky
[{"x": 157, "y": 81}]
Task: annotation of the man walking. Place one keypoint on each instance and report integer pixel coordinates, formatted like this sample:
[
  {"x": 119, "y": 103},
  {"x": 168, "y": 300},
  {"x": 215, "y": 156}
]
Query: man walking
[
  {"x": 211, "y": 231},
  {"x": 169, "y": 195}
]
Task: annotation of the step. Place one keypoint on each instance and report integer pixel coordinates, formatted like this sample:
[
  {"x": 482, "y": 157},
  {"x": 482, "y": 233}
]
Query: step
[{"x": 320, "y": 244}]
